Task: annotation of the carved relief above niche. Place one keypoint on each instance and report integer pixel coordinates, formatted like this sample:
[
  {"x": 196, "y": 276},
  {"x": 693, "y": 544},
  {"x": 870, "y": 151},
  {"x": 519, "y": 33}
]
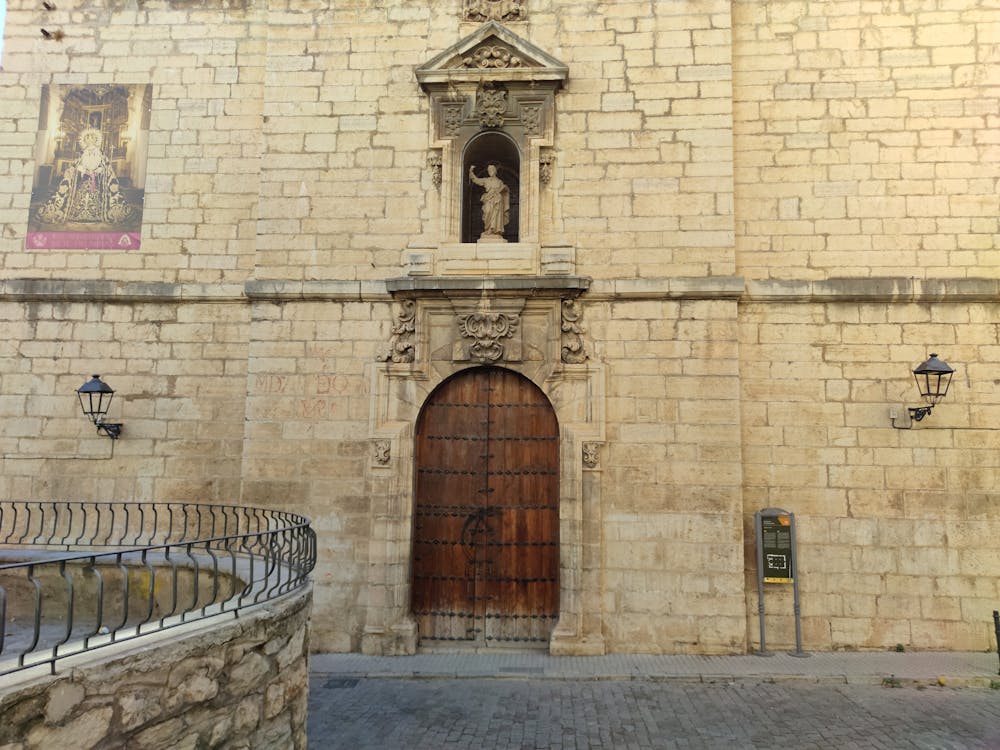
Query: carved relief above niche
[
  {"x": 495, "y": 10},
  {"x": 491, "y": 139}
]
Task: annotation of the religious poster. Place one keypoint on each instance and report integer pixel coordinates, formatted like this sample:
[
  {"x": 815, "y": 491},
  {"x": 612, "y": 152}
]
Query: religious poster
[{"x": 90, "y": 167}]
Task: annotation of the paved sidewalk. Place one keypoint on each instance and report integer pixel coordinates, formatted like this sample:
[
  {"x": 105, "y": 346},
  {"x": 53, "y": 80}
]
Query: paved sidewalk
[{"x": 956, "y": 669}]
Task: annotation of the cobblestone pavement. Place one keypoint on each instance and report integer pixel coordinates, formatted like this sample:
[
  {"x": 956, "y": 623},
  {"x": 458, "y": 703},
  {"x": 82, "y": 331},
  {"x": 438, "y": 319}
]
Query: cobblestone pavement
[{"x": 389, "y": 713}]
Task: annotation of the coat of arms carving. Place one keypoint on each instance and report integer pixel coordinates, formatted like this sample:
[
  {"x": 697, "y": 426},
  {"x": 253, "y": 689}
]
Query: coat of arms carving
[{"x": 487, "y": 331}]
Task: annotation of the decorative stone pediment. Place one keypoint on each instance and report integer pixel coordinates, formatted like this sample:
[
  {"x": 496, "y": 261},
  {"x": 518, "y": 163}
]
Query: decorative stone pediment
[
  {"x": 492, "y": 102},
  {"x": 495, "y": 49}
]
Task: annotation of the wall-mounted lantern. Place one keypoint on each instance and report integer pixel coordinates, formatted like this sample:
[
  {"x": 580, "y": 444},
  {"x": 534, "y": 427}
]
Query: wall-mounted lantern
[
  {"x": 95, "y": 400},
  {"x": 933, "y": 379}
]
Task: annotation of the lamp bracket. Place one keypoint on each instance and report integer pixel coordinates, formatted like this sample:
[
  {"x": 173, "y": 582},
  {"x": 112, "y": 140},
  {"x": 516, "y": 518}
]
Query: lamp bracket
[
  {"x": 917, "y": 413},
  {"x": 112, "y": 429}
]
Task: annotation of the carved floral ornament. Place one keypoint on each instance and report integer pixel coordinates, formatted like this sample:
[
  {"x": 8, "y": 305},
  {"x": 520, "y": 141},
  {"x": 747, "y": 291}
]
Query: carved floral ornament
[
  {"x": 591, "y": 455},
  {"x": 491, "y": 105},
  {"x": 545, "y": 161},
  {"x": 434, "y": 163},
  {"x": 381, "y": 451}
]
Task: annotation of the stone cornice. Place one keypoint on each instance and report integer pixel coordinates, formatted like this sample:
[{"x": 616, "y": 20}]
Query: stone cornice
[
  {"x": 883, "y": 289},
  {"x": 676, "y": 287},
  {"x": 101, "y": 290},
  {"x": 445, "y": 286}
]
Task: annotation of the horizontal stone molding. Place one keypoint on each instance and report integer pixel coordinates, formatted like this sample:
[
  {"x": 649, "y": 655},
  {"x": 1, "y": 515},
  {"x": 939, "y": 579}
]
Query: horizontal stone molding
[
  {"x": 883, "y": 289},
  {"x": 333, "y": 289},
  {"x": 680, "y": 287},
  {"x": 92, "y": 290},
  {"x": 531, "y": 286}
]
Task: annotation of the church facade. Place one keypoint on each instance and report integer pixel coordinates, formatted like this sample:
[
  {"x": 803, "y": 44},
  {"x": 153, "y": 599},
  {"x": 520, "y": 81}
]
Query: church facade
[{"x": 530, "y": 305}]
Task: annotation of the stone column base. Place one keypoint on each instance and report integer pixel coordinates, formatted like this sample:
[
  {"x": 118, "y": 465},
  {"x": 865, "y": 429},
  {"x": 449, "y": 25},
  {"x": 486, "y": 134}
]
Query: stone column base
[
  {"x": 398, "y": 640},
  {"x": 566, "y": 643}
]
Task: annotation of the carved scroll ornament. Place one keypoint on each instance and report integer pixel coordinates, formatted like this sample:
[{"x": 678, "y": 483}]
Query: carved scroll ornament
[
  {"x": 495, "y": 10},
  {"x": 492, "y": 57},
  {"x": 573, "y": 352},
  {"x": 401, "y": 347},
  {"x": 591, "y": 455},
  {"x": 488, "y": 330}
]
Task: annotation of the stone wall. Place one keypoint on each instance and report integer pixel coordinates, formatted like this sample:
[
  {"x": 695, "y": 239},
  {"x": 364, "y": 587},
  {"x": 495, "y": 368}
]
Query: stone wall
[
  {"x": 178, "y": 363},
  {"x": 897, "y": 527},
  {"x": 772, "y": 200},
  {"x": 866, "y": 139},
  {"x": 235, "y": 684}
]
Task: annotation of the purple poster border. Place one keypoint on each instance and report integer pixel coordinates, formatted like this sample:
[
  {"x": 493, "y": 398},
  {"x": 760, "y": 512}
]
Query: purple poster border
[{"x": 83, "y": 240}]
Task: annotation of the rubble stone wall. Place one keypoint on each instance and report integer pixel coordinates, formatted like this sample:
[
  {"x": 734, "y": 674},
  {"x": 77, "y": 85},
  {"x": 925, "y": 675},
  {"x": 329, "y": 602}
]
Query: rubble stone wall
[{"x": 238, "y": 684}]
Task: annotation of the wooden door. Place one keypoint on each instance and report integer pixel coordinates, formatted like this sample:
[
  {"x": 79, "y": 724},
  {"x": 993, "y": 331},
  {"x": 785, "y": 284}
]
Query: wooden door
[{"x": 486, "y": 515}]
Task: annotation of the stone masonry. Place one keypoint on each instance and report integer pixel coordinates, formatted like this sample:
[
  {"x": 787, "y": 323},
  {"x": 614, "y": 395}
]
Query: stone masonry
[
  {"x": 239, "y": 684},
  {"x": 767, "y": 214}
]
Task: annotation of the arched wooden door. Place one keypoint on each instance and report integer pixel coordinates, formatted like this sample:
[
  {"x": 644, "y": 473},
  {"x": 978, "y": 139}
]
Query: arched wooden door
[{"x": 486, "y": 516}]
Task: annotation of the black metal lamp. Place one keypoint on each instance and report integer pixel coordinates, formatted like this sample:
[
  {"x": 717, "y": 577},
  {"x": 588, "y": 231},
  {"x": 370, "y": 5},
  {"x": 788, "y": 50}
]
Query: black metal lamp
[
  {"x": 95, "y": 400},
  {"x": 933, "y": 379}
]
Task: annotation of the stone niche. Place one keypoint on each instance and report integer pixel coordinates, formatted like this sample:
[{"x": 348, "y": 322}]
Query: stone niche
[{"x": 492, "y": 110}]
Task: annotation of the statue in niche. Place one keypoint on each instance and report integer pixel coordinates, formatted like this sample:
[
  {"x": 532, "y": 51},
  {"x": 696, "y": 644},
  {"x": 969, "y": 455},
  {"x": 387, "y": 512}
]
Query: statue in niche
[{"x": 496, "y": 203}]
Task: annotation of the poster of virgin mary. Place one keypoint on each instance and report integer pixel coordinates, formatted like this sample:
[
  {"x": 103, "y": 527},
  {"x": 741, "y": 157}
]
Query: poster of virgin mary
[{"x": 90, "y": 167}]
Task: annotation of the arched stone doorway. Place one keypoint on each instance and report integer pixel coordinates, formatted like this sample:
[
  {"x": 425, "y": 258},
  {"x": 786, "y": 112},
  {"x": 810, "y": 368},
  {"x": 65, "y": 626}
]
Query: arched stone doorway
[{"x": 485, "y": 552}]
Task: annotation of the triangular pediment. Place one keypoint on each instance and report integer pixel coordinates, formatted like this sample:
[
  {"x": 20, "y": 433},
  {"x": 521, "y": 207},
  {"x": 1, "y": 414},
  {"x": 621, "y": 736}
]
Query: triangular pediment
[{"x": 492, "y": 51}]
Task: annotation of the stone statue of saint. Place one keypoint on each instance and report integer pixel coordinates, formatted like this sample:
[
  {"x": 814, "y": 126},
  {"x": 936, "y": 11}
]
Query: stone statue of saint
[{"x": 496, "y": 204}]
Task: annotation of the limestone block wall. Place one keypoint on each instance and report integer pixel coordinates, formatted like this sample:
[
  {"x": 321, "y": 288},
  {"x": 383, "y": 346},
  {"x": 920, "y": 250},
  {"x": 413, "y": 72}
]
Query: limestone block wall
[
  {"x": 237, "y": 685},
  {"x": 897, "y": 528},
  {"x": 179, "y": 371},
  {"x": 206, "y": 64},
  {"x": 866, "y": 139},
  {"x": 642, "y": 182},
  {"x": 306, "y": 437},
  {"x": 671, "y": 478}
]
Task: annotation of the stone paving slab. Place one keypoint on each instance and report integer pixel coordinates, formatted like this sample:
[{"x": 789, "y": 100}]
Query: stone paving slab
[
  {"x": 534, "y": 712},
  {"x": 955, "y": 668}
]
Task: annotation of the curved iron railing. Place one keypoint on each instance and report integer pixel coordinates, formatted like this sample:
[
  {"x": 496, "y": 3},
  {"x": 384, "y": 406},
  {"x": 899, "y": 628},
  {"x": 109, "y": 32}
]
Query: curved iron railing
[{"x": 75, "y": 576}]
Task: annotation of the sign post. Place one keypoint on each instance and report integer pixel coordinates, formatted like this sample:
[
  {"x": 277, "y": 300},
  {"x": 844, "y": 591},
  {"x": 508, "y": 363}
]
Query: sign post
[{"x": 776, "y": 563}]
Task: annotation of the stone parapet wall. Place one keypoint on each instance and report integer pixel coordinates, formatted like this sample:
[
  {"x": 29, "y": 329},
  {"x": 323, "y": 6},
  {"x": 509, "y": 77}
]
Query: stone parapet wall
[{"x": 233, "y": 684}]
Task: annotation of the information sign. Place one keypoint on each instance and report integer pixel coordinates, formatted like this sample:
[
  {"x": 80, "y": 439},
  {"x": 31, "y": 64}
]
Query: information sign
[{"x": 776, "y": 548}]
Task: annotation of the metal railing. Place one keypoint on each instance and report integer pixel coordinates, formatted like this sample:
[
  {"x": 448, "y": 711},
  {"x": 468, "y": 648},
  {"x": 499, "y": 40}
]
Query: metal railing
[{"x": 75, "y": 576}]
